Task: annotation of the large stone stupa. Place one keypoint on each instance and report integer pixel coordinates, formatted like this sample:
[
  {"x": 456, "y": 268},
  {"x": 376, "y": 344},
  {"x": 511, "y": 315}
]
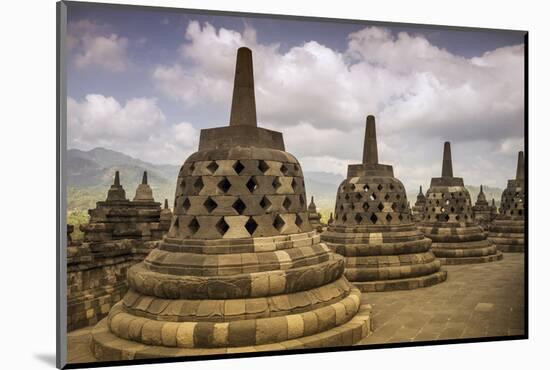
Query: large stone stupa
[
  {"x": 241, "y": 268},
  {"x": 482, "y": 210},
  {"x": 507, "y": 231},
  {"x": 419, "y": 206},
  {"x": 373, "y": 228},
  {"x": 449, "y": 222},
  {"x": 314, "y": 216}
]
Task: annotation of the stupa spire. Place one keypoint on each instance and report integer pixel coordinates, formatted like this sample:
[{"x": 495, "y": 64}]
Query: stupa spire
[
  {"x": 165, "y": 203},
  {"x": 117, "y": 179},
  {"x": 144, "y": 178},
  {"x": 370, "y": 147},
  {"x": 481, "y": 189},
  {"x": 420, "y": 193},
  {"x": 243, "y": 106},
  {"x": 520, "y": 171},
  {"x": 447, "y": 170}
]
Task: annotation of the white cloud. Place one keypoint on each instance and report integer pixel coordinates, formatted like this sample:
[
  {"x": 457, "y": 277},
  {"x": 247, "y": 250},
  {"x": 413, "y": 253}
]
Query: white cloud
[
  {"x": 421, "y": 95},
  {"x": 138, "y": 128},
  {"x": 92, "y": 44}
]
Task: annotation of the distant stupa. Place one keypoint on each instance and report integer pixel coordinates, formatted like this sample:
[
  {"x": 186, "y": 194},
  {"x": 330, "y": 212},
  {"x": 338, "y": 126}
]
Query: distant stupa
[
  {"x": 449, "y": 222},
  {"x": 373, "y": 228}
]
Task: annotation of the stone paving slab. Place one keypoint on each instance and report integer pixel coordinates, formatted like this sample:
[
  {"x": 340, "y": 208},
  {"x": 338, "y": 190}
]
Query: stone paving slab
[{"x": 481, "y": 300}]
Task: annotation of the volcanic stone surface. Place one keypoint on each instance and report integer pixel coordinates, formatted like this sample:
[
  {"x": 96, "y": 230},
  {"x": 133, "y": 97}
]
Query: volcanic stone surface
[
  {"x": 448, "y": 220},
  {"x": 507, "y": 231},
  {"x": 241, "y": 268},
  {"x": 373, "y": 229}
]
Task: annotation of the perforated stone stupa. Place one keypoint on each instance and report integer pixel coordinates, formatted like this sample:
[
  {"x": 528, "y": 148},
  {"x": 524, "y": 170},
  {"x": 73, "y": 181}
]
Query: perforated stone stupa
[
  {"x": 373, "y": 228},
  {"x": 241, "y": 268},
  {"x": 314, "y": 216},
  {"x": 507, "y": 231},
  {"x": 448, "y": 220}
]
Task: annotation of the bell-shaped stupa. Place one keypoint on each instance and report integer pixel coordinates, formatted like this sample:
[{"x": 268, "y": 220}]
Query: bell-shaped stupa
[
  {"x": 314, "y": 216},
  {"x": 419, "y": 206},
  {"x": 507, "y": 230},
  {"x": 482, "y": 210},
  {"x": 373, "y": 228},
  {"x": 449, "y": 222},
  {"x": 241, "y": 268}
]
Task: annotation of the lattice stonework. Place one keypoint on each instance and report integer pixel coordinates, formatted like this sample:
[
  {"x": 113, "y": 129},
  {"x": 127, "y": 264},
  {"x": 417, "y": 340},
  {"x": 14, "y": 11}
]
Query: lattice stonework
[
  {"x": 250, "y": 197},
  {"x": 448, "y": 204},
  {"x": 376, "y": 201}
]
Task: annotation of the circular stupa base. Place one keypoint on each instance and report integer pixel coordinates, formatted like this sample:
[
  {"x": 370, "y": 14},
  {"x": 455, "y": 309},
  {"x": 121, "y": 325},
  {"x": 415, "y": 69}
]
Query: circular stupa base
[
  {"x": 470, "y": 260},
  {"x": 108, "y": 347},
  {"x": 401, "y": 284},
  {"x": 512, "y": 243},
  {"x": 511, "y": 248}
]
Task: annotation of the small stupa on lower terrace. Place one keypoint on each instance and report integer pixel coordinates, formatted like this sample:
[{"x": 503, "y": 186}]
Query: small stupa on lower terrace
[
  {"x": 449, "y": 222},
  {"x": 241, "y": 268},
  {"x": 373, "y": 228}
]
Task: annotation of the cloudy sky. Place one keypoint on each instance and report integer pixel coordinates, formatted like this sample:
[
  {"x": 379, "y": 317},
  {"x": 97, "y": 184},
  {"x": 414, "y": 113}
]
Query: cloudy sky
[{"x": 145, "y": 83}]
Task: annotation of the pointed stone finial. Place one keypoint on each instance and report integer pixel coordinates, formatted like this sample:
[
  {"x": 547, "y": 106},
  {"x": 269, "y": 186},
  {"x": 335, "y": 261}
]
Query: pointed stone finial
[
  {"x": 243, "y": 106},
  {"x": 481, "y": 189},
  {"x": 165, "y": 203},
  {"x": 447, "y": 170},
  {"x": 144, "y": 178},
  {"x": 493, "y": 202},
  {"x": 420, "y": 190},
  {"x": 370, "y": 148},
  {"x": 520, "y": 171},
  {"x": 117, "y": 179}
]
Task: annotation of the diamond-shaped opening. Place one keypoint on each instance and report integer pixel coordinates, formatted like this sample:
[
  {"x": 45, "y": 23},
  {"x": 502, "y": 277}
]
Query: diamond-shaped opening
[
  {"x": 194, "y": 225},
  {"x": 341, "y": 207},
  {"x": 446, "y": 217},
  {"x": 372, "y": 196},
  {"x": 299, "y": 221},
  {"x": 366, "y": 187},
  {"x": 192, "y": 168},
  {"x": 263, "y": 166},
  {"x": 344, "y": 218},
  {"x": 210, "y": 204},
  {"x": 442, "y": 209},
  {"x": 437, "y": 202},
  {"x": 366, "y": 206},
  {"x": 265, "y": 203},
  {"x": 212, "y": 167},
  {"x": 352, "y": 206},
  {"x": 239, "y": 206},
  {"x": 358, "y": 196},
  {"x": 400, "y": 217},
  {"x": 358, "y": 218},
  {"x": 520, "y": 212},
  {"x": 346, "y": 197},
  {"x": 294, "y": 184},
  {"x": 452, "y": 209},
  {"x": 198, "y": 185},
  {"x": 284, "y": 169},
  {"x": 278, "y": 223},
  {"x": 224, "y": 185},
  {"x": 251, "y": 226},
  {"x": 394, "y": 207},
  {"x": 387, "y": 197},
  {"x": 222, "y": 226},
  {"x": 398, "y": 196},
  {"x": 457, "y": 217},
  {"x": 389, "y": 217},
  {"x": 296, "y": 167},
  {"x": 392, "y": 187},
  {"x": 287, "y": 203},
  {"x": 380, "y": 187},
  {"x": 380, "y": 206},
  {"x": 373, "y": 218},
  {"x": 238, "y": 167},
  {"x": 252, "y": 184},
  {"x": 186, "y": 204},
  {"x": 447, "y": 202},
  {"x": 276, "y": 183}
]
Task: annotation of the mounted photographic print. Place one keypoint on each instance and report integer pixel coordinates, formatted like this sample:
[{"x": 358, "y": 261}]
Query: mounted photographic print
[{"x": 252, "y": 184}]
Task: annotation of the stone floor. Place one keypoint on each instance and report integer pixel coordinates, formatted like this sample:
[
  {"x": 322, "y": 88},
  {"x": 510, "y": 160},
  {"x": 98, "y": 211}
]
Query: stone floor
[{"x": 480, "y": 300}]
